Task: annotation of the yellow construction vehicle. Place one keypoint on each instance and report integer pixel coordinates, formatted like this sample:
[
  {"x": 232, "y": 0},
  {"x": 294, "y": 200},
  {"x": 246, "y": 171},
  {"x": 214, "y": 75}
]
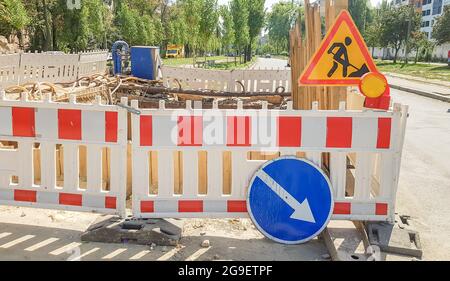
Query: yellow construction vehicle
[{"x": 175, "y": 51}]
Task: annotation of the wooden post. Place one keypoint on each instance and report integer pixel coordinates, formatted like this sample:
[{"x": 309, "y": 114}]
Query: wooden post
[{"x": 302, "y": 48}]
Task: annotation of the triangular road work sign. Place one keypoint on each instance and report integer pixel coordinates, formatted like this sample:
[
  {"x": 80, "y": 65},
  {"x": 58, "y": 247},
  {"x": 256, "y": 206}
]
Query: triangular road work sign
[{"x": 342, "y": 58}]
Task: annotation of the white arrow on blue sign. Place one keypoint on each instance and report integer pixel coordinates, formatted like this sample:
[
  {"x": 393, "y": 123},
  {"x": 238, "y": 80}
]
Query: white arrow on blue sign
[{"x": 290, "y": 200}]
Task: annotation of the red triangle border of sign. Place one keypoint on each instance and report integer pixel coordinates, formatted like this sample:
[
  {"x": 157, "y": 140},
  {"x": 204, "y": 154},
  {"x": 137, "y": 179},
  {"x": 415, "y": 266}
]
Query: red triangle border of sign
[{"x": 344, "y": 16}]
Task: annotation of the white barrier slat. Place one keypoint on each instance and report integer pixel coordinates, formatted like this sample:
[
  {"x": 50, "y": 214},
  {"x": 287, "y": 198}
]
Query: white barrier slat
[
  {"x": 114, "y": 163},
  {"x": 48, "y": 160},
  {"x": 387, "y": 174},
  {"x": 363, "y": 176},
  {"x": 141, "y": 173},
  {"x": 71, "y": 167},
  {"x": 215, "y": 173},
  {"x": 94, "y": 168},
  {"x": 338, "y": 173},
  {"x": 25, "y": 169},
  {"x": 238, "y": 173},
  {"x": 190, "y": 174},
  {"x": 165, "y": 173}
]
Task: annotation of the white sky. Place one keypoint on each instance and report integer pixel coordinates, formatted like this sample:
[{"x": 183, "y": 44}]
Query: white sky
[{"x": 269, "y": 3}]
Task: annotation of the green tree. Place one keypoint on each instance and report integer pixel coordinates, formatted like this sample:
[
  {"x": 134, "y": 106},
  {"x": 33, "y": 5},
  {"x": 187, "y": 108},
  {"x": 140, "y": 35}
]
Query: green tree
[
  {"x": 395, "y": 25},
  {"x": 279, "y": 22},
  {"x": 192, "y": 17},
  {"x": 209, "y": 21},
  {"x": 13, "y": 18},
  {"x": 361, "y": 12},
  {"x": 240, "y": 15},
  {"x": 227, "y": 28},
  {"x": 441, "y": 28},
  {"x": 256, "y": 16}
]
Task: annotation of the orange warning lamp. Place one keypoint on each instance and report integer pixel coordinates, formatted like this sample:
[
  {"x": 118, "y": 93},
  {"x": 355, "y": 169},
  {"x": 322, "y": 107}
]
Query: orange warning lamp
[{"x": 373, "y": 85}]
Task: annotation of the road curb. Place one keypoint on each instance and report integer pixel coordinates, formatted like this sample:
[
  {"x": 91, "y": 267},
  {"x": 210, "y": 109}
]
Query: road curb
[{"x": 421, "y": 93}]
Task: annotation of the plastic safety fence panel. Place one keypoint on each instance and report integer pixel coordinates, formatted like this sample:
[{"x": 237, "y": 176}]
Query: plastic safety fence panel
[
  {"x": 9, "y": 70},
  {"x": 173, "y": 150},
  {"x": 266, "y": 80},
  {"x": 37, "y": 67},
  {"x": 49, "y": 149},
  {"x": 92, "y": 63},
  {"x": 195, "y": 78},
  {"x": 234, "y": 81}
]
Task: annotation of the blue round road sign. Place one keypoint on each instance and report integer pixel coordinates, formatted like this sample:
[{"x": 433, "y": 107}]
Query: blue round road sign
[{"x": 290, "y": 200}]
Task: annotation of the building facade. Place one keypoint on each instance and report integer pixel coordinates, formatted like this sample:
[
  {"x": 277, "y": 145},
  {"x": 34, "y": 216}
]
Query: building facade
[{"x": 430, "y": 10}]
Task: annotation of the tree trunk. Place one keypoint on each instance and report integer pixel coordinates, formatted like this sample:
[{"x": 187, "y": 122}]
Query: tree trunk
[
  {"x": 20, "y": 35},
  {"x": 396, "y": 54},
  {"x": 417, "y": 56},
  {"x": 47, "y": 30}
]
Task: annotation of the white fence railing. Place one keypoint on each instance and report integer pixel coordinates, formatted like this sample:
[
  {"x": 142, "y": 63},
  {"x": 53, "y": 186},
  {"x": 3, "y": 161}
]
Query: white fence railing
[
  {"x": 22, "y": 68},
  {"x": 370, "y": 141},
  {"x": 64, "y": 128},
  {"x": 226, "y": 80}
]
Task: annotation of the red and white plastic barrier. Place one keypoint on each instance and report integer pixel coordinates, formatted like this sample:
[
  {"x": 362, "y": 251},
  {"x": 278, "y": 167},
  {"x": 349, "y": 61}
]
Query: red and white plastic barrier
[
  {"x": 48, "y": 124},
  {"x": 370, "y": 140},
  {"x": 375, "y": 137}
]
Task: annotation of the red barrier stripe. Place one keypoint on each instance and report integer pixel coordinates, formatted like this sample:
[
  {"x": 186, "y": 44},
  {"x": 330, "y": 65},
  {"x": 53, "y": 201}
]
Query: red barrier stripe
[
  {"x": 343, "y": 208},
  {"x": 110, "y": 202},
  {"x": 235, "y": 206},
  {"x": 384, "y": 133},
  {"x": 190, "y": 131},
  {"x": 147, "y": 207},
  {"x": 146, "y": 130},
  {"x": 289, "y": 131},
  {"x": 238, "y": 131},
  {"x": 339, "y": 132},
  {"x": 190, "y": 206},
  {"x": 69, "y": 124},
  {"x": 381, "y": 209},
  {"x": 23, "y": 122},
  {"x": 70, "y": 199},
  {"x": 25, "y": 195},
  {"x": 111, "y": 126}
]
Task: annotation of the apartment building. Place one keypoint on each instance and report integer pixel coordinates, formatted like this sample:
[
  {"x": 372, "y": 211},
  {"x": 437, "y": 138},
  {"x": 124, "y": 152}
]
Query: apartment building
[{"x": 430, "y": 10}]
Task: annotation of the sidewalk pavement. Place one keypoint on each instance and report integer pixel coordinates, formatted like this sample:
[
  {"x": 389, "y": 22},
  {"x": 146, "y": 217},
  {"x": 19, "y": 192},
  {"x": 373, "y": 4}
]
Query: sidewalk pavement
[{"x": 430, "y": 89}]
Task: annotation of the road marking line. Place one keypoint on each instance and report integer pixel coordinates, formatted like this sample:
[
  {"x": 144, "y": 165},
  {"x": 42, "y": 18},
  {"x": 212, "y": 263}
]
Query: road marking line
[
  {"x": 4, "y": 234},
  {"x": 197, "y": 254},
  {"x": 169, "y": 254},
  {"x": 83, "y": 255},
  {"x": 64, "y": 249},
  {"x": 114, "y": 254},
  {"x": 17, "y": 241},
  {"x": 41, "y": 244},
  {"x": 140, "y": 255}
]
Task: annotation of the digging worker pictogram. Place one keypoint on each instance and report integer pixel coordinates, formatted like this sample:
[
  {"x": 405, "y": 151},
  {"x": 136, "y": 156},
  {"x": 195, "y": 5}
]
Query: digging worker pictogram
[{"x": 340, "y": 57}]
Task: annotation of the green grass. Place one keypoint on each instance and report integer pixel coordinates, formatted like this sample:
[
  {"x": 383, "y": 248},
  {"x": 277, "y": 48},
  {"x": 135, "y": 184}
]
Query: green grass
[
  {"x": 429, "y": 71},
  {"x": 230, "y": 65},
  {"x": 189, "y": 61},
  {"x": 222, "y": 62}
]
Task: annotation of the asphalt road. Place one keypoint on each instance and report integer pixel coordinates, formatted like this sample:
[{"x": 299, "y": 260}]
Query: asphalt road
[
  {"x": 263, "y": 63},
  {"x": 424, "y": 185}
]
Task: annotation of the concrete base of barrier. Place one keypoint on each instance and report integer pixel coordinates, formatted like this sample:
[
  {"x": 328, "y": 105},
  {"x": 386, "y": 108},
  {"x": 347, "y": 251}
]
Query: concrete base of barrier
[
  {"x": 395, "y": 238},
  {"x": 346, "y": 241},
  {"x": 112, "y": 229}
]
